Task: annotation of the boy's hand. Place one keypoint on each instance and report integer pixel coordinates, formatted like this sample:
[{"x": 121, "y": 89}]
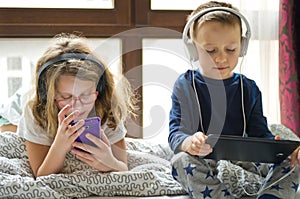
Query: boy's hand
[
  {"x": 277, "y": 137},
  {"x": 195, "y": 145},
  {"x": 295, "y": 156}
]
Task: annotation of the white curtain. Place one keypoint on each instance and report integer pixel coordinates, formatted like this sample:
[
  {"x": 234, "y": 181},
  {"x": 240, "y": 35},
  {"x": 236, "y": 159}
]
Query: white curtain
[{"x": 261, "y": 62}]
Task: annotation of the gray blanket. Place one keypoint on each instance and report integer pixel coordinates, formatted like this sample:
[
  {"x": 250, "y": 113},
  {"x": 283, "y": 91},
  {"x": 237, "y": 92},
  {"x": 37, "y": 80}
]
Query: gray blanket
[{"x": 149, "y": 174}]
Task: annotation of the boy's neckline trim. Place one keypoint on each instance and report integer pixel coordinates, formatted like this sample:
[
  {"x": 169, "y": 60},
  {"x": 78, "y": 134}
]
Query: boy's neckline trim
[{"x": 218, "y": 82}]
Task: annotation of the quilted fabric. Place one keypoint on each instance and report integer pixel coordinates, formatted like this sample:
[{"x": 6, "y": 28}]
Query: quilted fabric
[{"x": 149, "y": 174}]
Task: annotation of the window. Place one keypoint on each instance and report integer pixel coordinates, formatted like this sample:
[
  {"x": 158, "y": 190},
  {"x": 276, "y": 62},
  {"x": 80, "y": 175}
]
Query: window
[
  {"x": 163, "y": 61},
  {"x": 18, "y": 58},
  {"x": 27, "y": 30},
  {"x": 82, "y": 4}
]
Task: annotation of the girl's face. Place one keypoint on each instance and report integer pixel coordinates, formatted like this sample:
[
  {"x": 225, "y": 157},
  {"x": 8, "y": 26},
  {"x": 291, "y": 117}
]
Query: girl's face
[
  {"x": 80, "y": 94},
  {"x": 218, "y": 46}
]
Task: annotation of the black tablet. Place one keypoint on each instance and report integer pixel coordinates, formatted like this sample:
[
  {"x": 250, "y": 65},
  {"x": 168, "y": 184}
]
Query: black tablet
[{"x": 250, "y": 149}]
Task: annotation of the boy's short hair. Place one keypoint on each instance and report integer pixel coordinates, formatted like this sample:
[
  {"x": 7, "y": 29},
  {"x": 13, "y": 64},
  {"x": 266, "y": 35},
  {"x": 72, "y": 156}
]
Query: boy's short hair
[{"x": 216, "y": 16}]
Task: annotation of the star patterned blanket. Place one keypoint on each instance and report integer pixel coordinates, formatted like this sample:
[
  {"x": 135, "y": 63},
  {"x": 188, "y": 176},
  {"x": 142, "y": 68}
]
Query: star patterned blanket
[{"x": 149, "y": 174}]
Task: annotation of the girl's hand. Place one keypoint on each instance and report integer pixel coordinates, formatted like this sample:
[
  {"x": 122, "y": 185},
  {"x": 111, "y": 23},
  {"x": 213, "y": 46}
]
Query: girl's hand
[
  {"x": 67, "y": 133},
  {"x": 100, "y": 157},
  {"x": 195, "y": 145}
]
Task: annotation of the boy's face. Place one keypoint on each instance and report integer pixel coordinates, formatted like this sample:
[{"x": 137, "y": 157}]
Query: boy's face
[{"x": 218, "y": 46}]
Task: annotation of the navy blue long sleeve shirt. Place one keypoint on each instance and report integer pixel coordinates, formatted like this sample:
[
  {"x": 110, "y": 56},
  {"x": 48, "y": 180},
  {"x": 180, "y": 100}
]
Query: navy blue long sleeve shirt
[{"x": 221, "y": 108}]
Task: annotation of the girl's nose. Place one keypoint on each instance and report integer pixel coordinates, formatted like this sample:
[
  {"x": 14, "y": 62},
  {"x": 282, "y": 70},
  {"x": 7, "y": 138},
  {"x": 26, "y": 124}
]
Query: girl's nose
[{"x": 76, "y": 101}]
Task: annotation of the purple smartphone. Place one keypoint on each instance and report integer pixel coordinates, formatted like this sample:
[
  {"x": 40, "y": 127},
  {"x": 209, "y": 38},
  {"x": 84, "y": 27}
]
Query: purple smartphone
[{"x": 92, "y": 126}]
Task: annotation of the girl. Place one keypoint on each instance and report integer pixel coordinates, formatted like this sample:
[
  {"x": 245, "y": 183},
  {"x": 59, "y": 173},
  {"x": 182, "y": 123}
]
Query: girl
[{"x": 73, "y": 84}]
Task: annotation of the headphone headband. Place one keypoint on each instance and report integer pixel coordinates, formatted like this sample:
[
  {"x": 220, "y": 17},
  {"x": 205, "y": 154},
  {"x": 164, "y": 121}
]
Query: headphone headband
[
  {"x": 67, "y": 56},
  {"x": 193, "y": 54}
]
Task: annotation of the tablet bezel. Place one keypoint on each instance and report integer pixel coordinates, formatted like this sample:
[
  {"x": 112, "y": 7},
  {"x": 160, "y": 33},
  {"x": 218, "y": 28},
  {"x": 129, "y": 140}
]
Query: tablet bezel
[{"x": 250, "y": 149}]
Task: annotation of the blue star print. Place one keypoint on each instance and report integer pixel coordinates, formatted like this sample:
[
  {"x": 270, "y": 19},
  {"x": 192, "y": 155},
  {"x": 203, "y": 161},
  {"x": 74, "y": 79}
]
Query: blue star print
[
  {"x": 286, "y": 169},
  {"x": 174, "y": 173},
  {"x": 226, "y": 192},
  {"x": 257, "y": 164},
  {"x": 190, "y": 192},
  {"x": 209, "y": 175},
  {"x": 206, "y": 192},
  {"x": 189, "y": 169},
  {"x": 295, "y": 186},
  {"x": 276, "y": 187},
  {"x": 273, "y": 166}
]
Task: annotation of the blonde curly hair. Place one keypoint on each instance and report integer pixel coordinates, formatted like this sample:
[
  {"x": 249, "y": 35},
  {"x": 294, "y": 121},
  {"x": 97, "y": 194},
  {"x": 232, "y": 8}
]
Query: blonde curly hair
[{"x": 112, "y": 106}]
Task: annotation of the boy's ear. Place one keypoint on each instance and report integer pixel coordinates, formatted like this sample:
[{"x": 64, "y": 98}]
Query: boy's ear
[{"x": 192, "y": 50}]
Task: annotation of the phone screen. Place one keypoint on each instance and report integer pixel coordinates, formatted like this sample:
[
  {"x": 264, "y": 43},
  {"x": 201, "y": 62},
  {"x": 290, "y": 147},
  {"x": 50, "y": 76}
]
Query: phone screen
[{"x": 93, "y": 126}]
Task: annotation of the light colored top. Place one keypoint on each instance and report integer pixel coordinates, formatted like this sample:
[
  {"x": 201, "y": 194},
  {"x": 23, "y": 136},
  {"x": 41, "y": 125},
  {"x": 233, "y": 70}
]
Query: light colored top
[{"x": 32, "y": 132}]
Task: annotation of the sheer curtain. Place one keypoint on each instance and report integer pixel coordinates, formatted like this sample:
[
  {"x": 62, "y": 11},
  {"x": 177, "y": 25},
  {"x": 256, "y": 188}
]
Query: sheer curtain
[{"x": 261, "y": 61}]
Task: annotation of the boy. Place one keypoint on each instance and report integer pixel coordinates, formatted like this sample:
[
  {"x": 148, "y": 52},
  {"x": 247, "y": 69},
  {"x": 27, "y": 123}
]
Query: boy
[{"x": 214, "y": 99}]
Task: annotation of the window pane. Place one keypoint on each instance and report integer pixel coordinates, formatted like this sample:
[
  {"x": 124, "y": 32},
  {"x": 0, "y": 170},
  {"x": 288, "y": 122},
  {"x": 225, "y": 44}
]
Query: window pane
[
  {"x": 192, "y": 4},
  {"x": 14, "y": 63},
  {"x": 18, "y": 58},
  {"x": 163, "y": 61},
  {"x": 175, "y": 4},
  {"x": 14, "y": 83},
  {"x": 82, "y": 4}
]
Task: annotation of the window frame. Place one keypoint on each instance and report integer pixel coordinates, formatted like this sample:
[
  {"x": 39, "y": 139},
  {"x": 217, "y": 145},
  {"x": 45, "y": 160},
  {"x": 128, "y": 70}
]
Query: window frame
[
  {"x": 99, "y": 23},
  {"x": 127, "y": 15}
]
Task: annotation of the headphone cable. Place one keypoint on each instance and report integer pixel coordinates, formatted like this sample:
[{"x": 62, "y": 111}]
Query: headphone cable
[
  {"x": 198, "y": 103},
  {"x": 242, "y": 98}
]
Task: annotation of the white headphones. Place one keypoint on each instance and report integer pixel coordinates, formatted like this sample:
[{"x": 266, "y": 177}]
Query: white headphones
[{"x": 191, "y": 48}]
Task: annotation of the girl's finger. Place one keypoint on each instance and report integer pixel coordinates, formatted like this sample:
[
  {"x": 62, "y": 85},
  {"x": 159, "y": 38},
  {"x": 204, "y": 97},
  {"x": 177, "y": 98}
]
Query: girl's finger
[
  {"x": 62, "y": 113},
  {"x": 71, "y": 117},
  {"x": 74, "y": 126},
  {"x": 104, "y": 138},
  {"x": 77, "y": 128}
]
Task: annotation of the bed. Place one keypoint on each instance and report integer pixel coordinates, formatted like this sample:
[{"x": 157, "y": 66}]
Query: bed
[{"x": 149, "y": 173}]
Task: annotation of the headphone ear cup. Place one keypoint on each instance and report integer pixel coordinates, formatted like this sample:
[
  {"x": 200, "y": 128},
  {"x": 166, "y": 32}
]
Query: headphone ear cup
[
  {"x": 192, "y": 50},
  {"x": 101, "y": 84},
  {"x": 42, "y": 90},
  {"x": 244, "y": 46}
]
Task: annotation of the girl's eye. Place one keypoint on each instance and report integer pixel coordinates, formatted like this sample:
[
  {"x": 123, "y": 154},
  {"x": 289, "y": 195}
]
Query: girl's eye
[
  {"x": 66, "y": 97},
  {"x": 85, "y": 96}
]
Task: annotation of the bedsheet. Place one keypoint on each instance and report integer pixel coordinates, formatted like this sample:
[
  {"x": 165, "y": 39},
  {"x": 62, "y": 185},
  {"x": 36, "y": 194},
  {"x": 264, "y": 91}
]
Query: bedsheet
[{"x": 149, "y": 174}]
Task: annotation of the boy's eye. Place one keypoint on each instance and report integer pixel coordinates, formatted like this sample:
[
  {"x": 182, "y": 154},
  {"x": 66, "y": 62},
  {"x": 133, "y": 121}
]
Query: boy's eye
[
  {"x": 210, "y": 50},
  {"x": 231, "y": 50}
]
